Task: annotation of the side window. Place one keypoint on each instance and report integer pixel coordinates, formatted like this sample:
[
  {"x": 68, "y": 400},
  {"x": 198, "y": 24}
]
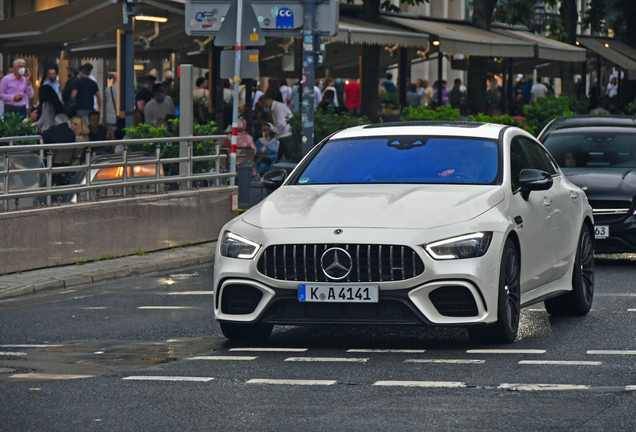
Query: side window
[
  {"x": 539, "y": 159},
  {"x": 518, "y": 161}
]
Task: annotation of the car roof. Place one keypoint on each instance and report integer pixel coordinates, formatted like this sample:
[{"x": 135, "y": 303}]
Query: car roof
[
  {"x": 456, "y": 129},
  {"x": 587, "y": 120}
]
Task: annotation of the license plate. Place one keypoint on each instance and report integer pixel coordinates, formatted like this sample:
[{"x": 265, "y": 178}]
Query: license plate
[
  {"x": 601, "y": 231},
  {"x": 338, "y": 294}
]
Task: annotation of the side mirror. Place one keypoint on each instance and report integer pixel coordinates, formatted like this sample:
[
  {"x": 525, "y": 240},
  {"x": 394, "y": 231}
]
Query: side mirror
[
  {"x": 272, "y": 180},
  {"x": 532, "y": 179}
]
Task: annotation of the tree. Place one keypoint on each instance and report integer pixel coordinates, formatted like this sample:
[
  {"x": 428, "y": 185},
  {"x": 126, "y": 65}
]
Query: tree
[{"x": 617, "y": 15}]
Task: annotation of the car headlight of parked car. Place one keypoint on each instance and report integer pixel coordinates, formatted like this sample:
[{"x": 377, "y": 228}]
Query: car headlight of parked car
[
  {"x": 465, "y": 246},
  {"x": 235, "y": 246}
]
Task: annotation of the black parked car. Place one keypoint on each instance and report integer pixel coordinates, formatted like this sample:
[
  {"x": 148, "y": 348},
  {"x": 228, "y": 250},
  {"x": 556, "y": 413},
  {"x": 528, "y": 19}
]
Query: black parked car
[{"x": 598, "y": 154}]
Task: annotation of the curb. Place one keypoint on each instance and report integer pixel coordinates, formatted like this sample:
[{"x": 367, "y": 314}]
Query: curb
[{"x": 92, "y": 278}]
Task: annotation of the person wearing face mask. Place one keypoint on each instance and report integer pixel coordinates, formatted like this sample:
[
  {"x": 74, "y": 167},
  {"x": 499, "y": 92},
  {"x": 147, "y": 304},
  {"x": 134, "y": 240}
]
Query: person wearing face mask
[
  {"x": 16, "y": 89},
  {"x": 51, "y": 80},
  {"x": 157, "y": 109}
]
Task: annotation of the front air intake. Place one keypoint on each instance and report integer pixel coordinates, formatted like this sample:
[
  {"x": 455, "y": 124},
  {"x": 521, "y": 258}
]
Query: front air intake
[
  {"x": 454, "y": 301},
  {"x": 240, "y": 299}
]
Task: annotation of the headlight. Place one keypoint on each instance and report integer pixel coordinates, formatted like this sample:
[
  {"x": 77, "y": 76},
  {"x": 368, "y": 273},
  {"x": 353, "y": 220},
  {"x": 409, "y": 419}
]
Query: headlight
[
  {"x": 235, "y": 246},
  {"x": 466, "y": 246}
]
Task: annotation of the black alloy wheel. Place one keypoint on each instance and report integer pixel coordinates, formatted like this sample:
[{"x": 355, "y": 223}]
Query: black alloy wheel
[
  {"x": 505, "y": 330},
  {"x": 578, "y": 302}
]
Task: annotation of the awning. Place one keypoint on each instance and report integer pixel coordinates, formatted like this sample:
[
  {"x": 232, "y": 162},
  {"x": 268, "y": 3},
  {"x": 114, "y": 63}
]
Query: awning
[
  {"x": 353, "y": 32},
  {"x": 546, "y": 48},
  {"x": 459, "y": 38},
  {"x": 617, "y": 53}
]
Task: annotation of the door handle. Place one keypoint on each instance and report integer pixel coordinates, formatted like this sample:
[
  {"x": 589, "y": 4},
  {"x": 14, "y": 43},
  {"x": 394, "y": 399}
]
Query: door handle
[
  {"x": 574, "y": 195},
  {"x": 547, "y": 202}
]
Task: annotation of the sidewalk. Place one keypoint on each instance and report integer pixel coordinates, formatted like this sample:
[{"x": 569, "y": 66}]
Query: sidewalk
[{"x": 53, "y": 278}]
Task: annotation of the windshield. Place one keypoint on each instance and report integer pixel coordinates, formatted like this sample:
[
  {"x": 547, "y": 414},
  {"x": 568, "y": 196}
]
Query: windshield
[
  {"x": 403, "y": 159},
  {"x": 593, "y": 148}
]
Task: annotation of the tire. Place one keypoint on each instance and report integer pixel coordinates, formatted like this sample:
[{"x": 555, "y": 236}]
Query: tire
[
  {"x": 577, "y": 302},
  {"x": 246, "y": 332},
  {"x": 504, "y": 331}
]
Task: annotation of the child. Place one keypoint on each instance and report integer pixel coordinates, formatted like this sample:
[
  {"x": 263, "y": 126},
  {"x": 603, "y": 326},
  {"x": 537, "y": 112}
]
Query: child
[{"x": 266, "y": 149}]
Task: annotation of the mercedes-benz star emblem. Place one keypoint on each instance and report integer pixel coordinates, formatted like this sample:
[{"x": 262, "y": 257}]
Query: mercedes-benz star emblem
[
  {"x": 338, "y": 231},
  {"x": 336, "y": 263}
]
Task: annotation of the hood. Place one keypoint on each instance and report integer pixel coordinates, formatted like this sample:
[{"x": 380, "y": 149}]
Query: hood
[
  {"x": 373, "y": 206},
  {"x": 608, "y": 183}
]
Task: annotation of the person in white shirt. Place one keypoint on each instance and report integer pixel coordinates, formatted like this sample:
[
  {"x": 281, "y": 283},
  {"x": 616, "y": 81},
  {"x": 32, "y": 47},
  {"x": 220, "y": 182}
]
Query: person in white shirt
[
  {"x": 539, "y": 90},
  {"x": 110, "y": 97},
  {"x": 286, "y": 92},
  {"x": 279, "y": 113},
  {"x": 331, "y": 87},
  {"x": 612, "y": 87}
]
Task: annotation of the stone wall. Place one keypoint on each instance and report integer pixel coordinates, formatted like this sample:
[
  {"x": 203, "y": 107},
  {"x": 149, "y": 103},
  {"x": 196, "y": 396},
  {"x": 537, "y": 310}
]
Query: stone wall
[{"x": 67, "y": 234}]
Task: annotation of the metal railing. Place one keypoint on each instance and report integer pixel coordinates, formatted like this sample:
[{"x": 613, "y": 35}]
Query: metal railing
[
  {"x": 46, "y": 152},
  {"x": 13, "y": 139}
]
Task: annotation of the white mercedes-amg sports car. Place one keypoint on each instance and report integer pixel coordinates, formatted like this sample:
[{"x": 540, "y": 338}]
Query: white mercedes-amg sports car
[{"x": 442, "y": 224}]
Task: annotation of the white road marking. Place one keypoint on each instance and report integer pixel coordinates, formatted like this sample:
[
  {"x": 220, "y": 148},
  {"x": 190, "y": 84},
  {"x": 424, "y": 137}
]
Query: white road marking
[
  {"x": 238, "y": 358},
  {"x": 327, "y": 359},
  {"x": 612, "y": 352},
  {"x": 630, "y": 388},
  {"x": 631, "y": 310},
  {"x": 9, "y": 353},
  {"x": 560, "y": 362},
  {"x": 543, "y": 387},
  {"x": 94, "y": 308},
  {"x": 291, "y": 382},
  {"x": 166, "y": 307},
  {"x": 505, "y": 351},
  {"x": 192, "y": 293},
  {"x": 405, "y": 351},
  {"x": 614, "y": 295},
  {"x": 447, "y": 361},
  {"x": 39, "y": 376},
  {"x": 433, "y": 384},
  {"x": 28, "y": 346},
  {"x": 168, "y": 378},
  {"x": 270, "y": 349}
]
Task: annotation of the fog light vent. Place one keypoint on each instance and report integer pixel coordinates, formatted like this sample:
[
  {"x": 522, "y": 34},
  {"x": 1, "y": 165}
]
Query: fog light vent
[
  {"x": 239, "y": 299},
  {"x": 454, "y": 301}
]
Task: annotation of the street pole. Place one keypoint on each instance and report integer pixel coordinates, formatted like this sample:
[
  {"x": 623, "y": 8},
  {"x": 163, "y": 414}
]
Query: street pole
[
  {"x": 309, "y": 60},
  {"x": 186, "y": 119},
  {"x": 237, "y": 72},
  {"x": 129, "y": 73}
]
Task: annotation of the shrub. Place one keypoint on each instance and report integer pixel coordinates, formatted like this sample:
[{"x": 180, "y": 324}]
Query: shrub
[
  {"x": 13, "y": 125},
  {"x": 424, "y": 112},
  {"x": 630, "y": 109},
  {"x": 326, "y": 122},
  {"x": 504, "y": 119},
  {"x": 546, "y": 109},
  {"x": 171, "y": 150}
]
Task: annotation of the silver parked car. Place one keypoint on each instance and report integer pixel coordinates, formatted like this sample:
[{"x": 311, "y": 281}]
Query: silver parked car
[{"x": 443, "y": 224}]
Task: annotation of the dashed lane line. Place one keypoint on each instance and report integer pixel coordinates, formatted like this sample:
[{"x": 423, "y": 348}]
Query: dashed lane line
[
  {"x": 29, "y": 346},
  {"x": 94, "y": 308},
  {"x": 224, "y": 358},
  {"x": 612, "y": 352},
  {"x": 10, "y": 353},
  {"x": 269, "y": 349},
  {"x": 445, "y": 361},
  {"x": 631, "y": 310},
  {"x": 291, "y": 382},
  {"x": 168, "y": 378},
  {"x": 165, "y": 307},
  {"x": 327, "y": 359},
  {"x": 191, "y": 293},
  {"x": 506, "y": 351},
  {"x": 433, "y": 384},
  {"x": 41, "y": 376},
  {"x": 404, "y": 351},
  {"x": 560, "y": 363},
  {"x": 543, "y": 387}
]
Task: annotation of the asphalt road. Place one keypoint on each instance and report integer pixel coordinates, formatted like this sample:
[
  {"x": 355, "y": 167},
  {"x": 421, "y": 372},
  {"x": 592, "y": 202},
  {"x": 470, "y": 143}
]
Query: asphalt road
[{"x": 145, "y": 354}]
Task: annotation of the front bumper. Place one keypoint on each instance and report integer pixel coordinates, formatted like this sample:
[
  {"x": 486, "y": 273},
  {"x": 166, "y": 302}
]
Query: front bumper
[{"x": 448, "y": 293}]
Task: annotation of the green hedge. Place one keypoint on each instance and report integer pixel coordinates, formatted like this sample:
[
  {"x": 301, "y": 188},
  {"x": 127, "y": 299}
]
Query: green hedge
[{"x": 13, "y": 125}]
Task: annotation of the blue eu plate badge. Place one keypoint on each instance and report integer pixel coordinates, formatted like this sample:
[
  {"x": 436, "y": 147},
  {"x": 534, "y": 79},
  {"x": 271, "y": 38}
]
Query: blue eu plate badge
[{"x": 301, "y": 293}]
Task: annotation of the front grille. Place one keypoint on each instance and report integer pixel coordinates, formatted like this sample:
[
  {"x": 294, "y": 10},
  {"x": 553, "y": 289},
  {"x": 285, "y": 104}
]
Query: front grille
[
  {"x": 610, "y": 211},
  {"x": 238, "y": 299},
  {"x": 370, "y": 263},
  {"x": 454, "y": 301}
]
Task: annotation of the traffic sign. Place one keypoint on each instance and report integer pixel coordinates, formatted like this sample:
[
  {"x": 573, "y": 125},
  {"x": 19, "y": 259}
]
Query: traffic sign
[
  {"x": 283, "y": 18},
  {"x": 251, "y": 35},
  {"x": 249, "y": 64}
]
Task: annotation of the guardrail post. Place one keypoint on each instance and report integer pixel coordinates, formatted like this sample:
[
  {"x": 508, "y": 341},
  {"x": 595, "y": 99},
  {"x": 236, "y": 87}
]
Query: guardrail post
[
  {"x": 217, "y": 162},
  {"x": 125, "y": 173},
  {"x": 186, "y": 118},
  {"x": 49, "y": 176},
  {"x": 5, "y": 184},
  {"x": 88, "y": 194},
  {"x": 158, "y": 169}
]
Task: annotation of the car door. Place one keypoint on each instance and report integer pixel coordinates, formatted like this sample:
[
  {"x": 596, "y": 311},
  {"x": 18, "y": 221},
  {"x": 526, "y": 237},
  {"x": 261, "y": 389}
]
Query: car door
[
  {"x": 565, "y": 209},
  {"x": 535, "y": 221}
]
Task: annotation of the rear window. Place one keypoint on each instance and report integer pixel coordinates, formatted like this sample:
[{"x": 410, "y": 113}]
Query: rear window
[
  {"x": 403, "y": 159},
  {"x": 593, "y": 148}
]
